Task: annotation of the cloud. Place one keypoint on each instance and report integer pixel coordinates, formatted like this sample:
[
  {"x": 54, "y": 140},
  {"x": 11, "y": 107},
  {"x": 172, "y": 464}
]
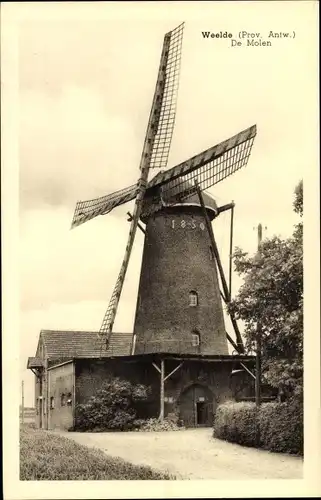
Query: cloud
[
  {"x": 63, "y": 140},
  {"x": 85, "y": 100},
  {"x": 83, "y": 107},
  {"x": 62, "y": 266}
]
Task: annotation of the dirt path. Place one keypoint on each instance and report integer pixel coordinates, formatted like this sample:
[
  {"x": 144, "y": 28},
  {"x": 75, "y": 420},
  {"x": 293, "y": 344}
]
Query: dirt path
[{"x": 193, "y": 454}]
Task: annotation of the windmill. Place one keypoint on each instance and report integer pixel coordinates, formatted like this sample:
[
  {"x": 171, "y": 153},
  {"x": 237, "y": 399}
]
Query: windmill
[{"x": 174, "y": 200}]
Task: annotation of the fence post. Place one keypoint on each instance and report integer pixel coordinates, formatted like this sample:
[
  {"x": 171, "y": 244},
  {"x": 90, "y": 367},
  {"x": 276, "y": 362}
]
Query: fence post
[{"x": 22, "y": 402}]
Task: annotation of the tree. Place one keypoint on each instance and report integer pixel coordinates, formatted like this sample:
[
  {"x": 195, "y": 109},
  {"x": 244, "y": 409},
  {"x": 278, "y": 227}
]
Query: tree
[
  {"x": 298, "y": 208},
  {"x": 298, "y": 199},
  {"x": 272, "y": 293}
]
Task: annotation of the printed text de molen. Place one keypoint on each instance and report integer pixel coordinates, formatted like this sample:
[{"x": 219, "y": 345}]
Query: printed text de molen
[{"x": 252, "y": 39}]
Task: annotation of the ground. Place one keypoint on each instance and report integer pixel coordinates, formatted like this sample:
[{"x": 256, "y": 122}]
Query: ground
[
  {"x": 47, "y": 456},
  {"x": 193, "y": 454}
]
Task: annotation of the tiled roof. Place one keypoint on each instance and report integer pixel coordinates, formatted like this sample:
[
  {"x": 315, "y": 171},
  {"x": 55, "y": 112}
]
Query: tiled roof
[
  {"x": 34, "y": 363},
  {"x": 75, "y": 344}
]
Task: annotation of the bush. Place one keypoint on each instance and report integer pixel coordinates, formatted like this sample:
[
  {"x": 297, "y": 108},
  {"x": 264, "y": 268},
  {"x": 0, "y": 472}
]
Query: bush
[
  {"x": 280, "y": 425},
  {"x": 235, "y": 422},
  {"x": 155, "y": 425},
  {"x": 45, "y": 456},
  {"x": 114, "y": 407}
]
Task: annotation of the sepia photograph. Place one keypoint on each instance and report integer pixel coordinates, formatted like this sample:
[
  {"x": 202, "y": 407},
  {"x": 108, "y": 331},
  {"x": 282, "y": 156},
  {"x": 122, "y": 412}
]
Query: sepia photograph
[{"x": 160, "y": 201}]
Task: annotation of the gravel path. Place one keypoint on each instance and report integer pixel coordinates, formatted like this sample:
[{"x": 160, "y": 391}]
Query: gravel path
[{"x": 193, "y": 454}]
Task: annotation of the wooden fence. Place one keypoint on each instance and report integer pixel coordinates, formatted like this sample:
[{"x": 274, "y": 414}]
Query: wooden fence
[{"x": 29, "y": 415}]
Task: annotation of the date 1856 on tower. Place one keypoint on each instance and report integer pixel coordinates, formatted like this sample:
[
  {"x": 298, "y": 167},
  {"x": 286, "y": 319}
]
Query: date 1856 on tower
[{"x": 185, "y": 223}]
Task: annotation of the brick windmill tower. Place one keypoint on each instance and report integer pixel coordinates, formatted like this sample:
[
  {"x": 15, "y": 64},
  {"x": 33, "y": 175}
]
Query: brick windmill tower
[{"x": 179, "y": 305}]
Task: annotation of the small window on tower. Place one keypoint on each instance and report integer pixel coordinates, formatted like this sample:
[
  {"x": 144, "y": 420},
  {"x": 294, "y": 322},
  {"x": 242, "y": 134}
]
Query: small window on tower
[
  {"x": 195, "y": 338},
  {"x": 193, "y": 299},
  {"x": 52, "y": 403}
]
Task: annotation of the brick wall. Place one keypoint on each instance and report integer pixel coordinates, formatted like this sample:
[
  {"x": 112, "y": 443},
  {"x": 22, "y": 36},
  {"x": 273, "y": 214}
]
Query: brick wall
[
  {"x": 185, "y": 386},
  {"x": 176, "y": 261},
  {"x": 41, "y": 401},
  {"x": 213, "y": 377},
  {"x": 38, "y": 408},
  {"x": 41, "y": 391},
  {"x": 195, "y": 380},
  {"x": 61, "y": 384}
]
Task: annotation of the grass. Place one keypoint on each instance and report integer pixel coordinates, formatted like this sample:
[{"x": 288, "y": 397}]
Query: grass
[{"x": 45, "y": 456}]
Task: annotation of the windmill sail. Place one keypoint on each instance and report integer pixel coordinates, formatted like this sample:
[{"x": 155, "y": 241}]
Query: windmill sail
[
  {"x": 208, "y": 168},
  {"x": 163, "y": 137},
  {"x": 155, "y": 151},
  {"x": 87, "y": 210}
]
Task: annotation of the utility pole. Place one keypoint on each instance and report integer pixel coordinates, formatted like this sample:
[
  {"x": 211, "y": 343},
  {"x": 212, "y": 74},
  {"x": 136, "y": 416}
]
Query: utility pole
[
  {"x": 258, "y": 351},
  {"x": 231, "y": 250},
  {"x": 258, "y": 339},
  {"x": 162, "y": 392},
  {"x": 22, "y": 402}
]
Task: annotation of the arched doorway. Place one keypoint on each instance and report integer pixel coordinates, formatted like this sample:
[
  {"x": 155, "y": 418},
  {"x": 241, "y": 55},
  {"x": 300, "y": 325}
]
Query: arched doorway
[{"x": 197, "y": 406}]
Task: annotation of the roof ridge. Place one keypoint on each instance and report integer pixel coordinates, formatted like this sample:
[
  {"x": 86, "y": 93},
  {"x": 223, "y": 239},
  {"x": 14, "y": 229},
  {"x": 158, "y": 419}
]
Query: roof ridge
[
  {"x": 83, "y": 343},
  {"x": 65, "y": 330},
  {"x": 80, "y": 331}
]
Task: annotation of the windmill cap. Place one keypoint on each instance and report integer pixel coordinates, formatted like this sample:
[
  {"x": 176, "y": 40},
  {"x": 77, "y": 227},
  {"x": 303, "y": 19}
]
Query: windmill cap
[
  {"x": 170, "y": 197},
  {"x": 193, "y": 201}
]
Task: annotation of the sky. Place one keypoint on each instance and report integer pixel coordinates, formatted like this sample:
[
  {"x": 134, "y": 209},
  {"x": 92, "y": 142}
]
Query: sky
[{"x": 85, "y": 79}]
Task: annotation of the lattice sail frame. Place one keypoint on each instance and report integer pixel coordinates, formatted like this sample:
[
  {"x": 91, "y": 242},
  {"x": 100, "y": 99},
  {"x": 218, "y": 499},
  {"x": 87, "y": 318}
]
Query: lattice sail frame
[
  {"x": 160, "y": 134},
  {"x": 158, "y": 138},
  {"x": 209, "y": 167},
  {"x": 87, "y": 210},
  {"x": 163, "y": 138}
]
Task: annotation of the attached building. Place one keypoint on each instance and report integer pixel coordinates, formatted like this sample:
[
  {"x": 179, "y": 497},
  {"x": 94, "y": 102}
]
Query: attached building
[
  {"x": 179, "y": 344},
  {"x": 69, "y": 366}
]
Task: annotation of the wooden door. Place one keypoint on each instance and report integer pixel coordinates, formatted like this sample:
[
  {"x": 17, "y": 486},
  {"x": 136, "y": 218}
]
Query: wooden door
[{"x": 196, "y": 406}]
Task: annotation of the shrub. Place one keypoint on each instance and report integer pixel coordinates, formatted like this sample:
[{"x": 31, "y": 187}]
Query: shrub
[
  {"x": 235, "y": 422},
  {"x": 155, "y": 425},
  {"x": 45, "y": 456},
  {"x": 280, "y": 425},
  {"x": 114, "y": 407}
]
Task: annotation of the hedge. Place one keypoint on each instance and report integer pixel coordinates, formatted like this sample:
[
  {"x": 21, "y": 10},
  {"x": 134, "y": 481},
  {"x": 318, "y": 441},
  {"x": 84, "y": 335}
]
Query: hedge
[{"x": 280, "y": 425}]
